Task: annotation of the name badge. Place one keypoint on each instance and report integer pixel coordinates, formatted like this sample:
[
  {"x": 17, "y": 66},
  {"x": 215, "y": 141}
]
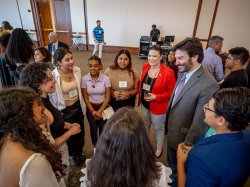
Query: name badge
[
  {"x": 146, "y": 87},
  {"x": 73, "y": 93},
  {"x": 123, "y": 84}
]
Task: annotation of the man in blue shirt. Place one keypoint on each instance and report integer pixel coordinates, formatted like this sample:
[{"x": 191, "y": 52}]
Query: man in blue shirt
[
  {"x": 98, "y": 35},
  {"x": 221, "y": 160},
  {"x": 212, "y": 63}
]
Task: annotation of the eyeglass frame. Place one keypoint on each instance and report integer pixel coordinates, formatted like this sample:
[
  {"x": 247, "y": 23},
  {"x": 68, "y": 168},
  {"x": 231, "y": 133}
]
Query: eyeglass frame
[{"x": 205, "y": 107}]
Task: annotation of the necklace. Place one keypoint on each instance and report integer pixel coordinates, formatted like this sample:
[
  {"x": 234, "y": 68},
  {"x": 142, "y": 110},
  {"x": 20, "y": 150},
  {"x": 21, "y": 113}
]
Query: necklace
[{"x": 152, "y": 79}]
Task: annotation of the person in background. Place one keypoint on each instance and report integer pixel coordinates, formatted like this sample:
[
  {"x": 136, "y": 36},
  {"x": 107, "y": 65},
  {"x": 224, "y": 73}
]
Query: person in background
[
  {"x": 96, "y": 93},
  {"x": 235, "y": 61},
  {"x": 7, "y": 28},
  {"x": 43, "y": 55},
  {"x": 5, "y": 77},
  {"x": 212, "y": 63},
  {"x": 156, "y": 87},
  {"x": 222, "y": 159},
  {"x": 27, "y": 158},
  {"x": 1, "y": 31},
  {"x": 68, "y": 99},
  {"x": 248, "y": 72},
  {"x": 194, "y": 88},
  {"x": 19, "y": 52},
  {"x": 155, "y": 34},
  {"x": 171, "y": 62},
  {"x": 124, "y": 81},
  {"x": 98, "y": 35},
  {"x": 124, "y": 156},
  {"x": 55, "y": 43}
]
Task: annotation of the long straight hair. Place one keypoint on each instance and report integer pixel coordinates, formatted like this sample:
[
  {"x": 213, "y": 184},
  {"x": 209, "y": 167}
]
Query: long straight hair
[{"x": 124, "y": 156}]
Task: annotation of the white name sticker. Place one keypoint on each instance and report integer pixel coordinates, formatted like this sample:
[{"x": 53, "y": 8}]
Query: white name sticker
[
  {"x": 123, "y": 84},
  {"x": 73, "y": 93},
  {"x": 146, "y": 87}
]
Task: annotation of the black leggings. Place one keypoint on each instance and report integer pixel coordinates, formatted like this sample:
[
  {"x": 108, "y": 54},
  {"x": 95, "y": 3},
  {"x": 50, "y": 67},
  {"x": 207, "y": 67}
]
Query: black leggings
[
  {"x": 95, "y": 124},
  {"x": 73, "y": 114}
]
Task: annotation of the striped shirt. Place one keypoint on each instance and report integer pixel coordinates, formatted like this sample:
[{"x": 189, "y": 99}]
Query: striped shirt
[{"x": 98, "y": 32}]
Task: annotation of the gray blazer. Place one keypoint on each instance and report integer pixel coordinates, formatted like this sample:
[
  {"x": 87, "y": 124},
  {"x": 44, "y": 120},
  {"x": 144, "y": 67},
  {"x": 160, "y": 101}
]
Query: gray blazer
[{"x": 185, "y": 117}]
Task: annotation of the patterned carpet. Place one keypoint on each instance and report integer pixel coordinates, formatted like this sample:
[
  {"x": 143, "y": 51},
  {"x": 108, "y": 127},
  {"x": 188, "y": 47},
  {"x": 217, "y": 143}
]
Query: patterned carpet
[{"x": 81, "y": 59}]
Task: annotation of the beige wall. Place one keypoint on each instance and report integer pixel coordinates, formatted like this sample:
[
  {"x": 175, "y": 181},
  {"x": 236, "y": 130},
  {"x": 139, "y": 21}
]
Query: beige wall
[
  {"x": 124, "y": 22},
  {"x": 77, "y": 15},
  {"x": 232, "y": 23}
]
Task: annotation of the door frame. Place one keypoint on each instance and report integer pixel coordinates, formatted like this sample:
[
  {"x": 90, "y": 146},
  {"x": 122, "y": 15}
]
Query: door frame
[
  {"x": 37, "y": 22},
  {"x": 212, "y": 23}
]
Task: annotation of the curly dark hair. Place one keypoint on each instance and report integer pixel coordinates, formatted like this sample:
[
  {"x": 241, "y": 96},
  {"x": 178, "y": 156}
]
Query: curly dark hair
[
  {"x": 45, "y": 52},
  {"x": 192, "y": 46},
  {"x": 17, "y": 121},
  {"x": 33, "y": 75},
  {"x": 234, "y": 105},
  {"x": 59, "y": 55},
  {"x": 129, "y": 66},
  {"x": 20, "y": 48},
  {"x": 124, "y": 156}
]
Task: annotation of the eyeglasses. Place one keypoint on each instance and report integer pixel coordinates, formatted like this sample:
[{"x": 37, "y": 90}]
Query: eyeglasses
[{"x": 207, "y": 108}]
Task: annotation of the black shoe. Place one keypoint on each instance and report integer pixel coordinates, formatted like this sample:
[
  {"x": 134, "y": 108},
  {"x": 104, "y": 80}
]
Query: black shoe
[{"x": 75, "y": 160}]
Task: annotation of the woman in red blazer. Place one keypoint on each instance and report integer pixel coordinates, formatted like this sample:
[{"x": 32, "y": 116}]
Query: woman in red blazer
[{"x": 156, "y": 87}]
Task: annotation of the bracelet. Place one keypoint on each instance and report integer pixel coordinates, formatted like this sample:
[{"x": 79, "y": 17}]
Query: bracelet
[{"x": 91, "y": 111}]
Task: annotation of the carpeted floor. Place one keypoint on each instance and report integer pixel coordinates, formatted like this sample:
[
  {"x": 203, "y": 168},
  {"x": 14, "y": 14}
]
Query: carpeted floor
[{"x": 81, "y": 60}]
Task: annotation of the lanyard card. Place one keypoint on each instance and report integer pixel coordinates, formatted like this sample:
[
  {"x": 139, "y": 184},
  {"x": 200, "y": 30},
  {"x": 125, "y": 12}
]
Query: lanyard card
[
  {"x": 73, "y": 93},
  {"x": 146, "y": 87},
  {"x": 123, "y": 84}
]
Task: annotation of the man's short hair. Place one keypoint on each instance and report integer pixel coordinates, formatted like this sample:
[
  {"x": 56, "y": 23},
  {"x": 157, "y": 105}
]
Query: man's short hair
[
  {"x": 234, "y": 105},
  {"x": 192, "y": 46},
  {"x": 215, "y": 39},
  {"x": 240, "y": 53},
  {"x": 52, "y": 34},
  {"x": 98, "y": 21},
  {"x": 154, "y": 26}
]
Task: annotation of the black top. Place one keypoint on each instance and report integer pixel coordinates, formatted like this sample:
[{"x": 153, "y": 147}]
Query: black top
[
  {"x": 57, "y": 127},
  {"x": 154, "y": 34},
  {"x": 248, "y": 73},
  {"x": 149, "y": 81},
  {"x": 235, "y": 79}
]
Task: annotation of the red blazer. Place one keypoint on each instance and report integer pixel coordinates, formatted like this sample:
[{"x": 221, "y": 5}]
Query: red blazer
[{"x": 162, "y": 88}]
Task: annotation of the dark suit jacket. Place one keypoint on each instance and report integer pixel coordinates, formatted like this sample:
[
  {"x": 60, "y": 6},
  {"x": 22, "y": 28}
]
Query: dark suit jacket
[
  {"x": 185, "y": 117},
  {"x": 60, "y": 44}
]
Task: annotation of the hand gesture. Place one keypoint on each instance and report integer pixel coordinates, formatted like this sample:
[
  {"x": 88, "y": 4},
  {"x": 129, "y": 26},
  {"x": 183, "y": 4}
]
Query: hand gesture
[
  {"x": 150, "y": 97},
  {"x": 75, "y": 129}
]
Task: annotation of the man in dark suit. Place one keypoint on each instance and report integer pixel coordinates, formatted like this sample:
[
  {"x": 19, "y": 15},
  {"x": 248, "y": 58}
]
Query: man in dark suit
[
  {"x": 55, "y": 43},
  {"x": 194, "y": 88}
]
